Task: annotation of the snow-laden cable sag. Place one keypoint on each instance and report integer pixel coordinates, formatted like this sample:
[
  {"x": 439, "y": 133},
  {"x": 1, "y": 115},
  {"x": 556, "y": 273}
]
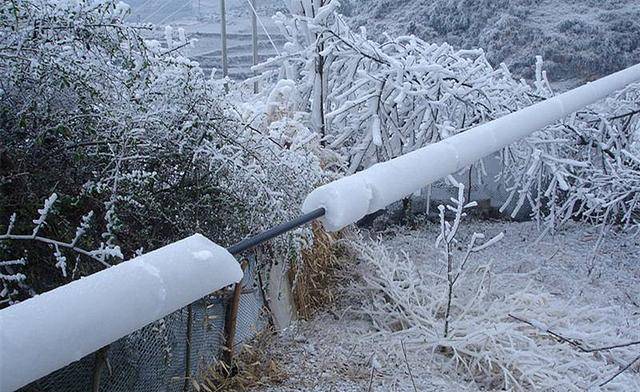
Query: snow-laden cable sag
[
  {"x": 51, "y": 330},
  {"x": 351, "y": 198}
]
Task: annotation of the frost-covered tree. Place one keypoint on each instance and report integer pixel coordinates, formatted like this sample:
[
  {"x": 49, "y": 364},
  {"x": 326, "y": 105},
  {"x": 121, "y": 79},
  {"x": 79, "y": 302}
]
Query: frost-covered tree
[
  {"x": 386, "y": 97},
  {"x": 384, "y": 100},
  {"x": 139, "y": 146},
  {"x": 586, "y": 166}
]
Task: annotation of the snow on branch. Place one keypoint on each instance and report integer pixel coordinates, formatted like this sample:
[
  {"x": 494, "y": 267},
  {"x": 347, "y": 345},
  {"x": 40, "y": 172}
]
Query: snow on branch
[
  {"x": 100, "y": 255},
  {"x": 380, "y": 100},
  {"x": 465, "y": 328},
  {"x": 8, "y": 274},
  {"x": 447, "y": 238},
  {"x": 384, "y": 100}
]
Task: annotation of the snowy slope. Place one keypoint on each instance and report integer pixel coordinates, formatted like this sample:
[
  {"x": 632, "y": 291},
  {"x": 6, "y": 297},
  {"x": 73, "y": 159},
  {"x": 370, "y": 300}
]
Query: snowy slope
[
  {"x": 340, "y": 349},
  {"x": 577, "y": 38}
]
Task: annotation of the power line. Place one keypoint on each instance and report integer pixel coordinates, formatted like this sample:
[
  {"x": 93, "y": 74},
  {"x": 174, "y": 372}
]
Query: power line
[
  {"x": 140, "y": 7},
  {"x": 188, "y": 2},
  {"x": 263, "y": 27},
  {"x": 157, "y": 10}
]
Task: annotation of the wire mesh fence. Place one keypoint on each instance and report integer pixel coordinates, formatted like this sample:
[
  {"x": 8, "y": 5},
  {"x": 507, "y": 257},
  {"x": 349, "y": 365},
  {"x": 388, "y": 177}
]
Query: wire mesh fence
[{"x": 163, "y": 356}]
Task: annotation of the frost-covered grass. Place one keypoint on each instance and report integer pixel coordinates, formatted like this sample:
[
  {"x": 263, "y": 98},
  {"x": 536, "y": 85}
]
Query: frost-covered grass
[
  {"x": 397, "y": 300},
  {"x": 486, "y": 343}
]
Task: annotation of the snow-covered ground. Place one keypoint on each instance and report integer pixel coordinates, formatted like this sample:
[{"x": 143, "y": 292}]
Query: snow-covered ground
[{"x": 339, "y": 350}]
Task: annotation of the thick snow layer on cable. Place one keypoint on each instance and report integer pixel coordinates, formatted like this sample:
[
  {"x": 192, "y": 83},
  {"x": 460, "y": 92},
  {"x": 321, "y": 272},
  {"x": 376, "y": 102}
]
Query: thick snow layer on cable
[
  {"x": 345, "y": 203},
  {"x": 51, "y": 330},
  {"x": 351, "y": 198}
]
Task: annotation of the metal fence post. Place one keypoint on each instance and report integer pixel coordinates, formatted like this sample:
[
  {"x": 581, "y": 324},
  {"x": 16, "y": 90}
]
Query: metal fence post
[
  {"x": 230, "y": 324},
  {"x": 231, "y": 319},
  {"x": 187, "y": 359},
  {"x": 99, "y": 362}
]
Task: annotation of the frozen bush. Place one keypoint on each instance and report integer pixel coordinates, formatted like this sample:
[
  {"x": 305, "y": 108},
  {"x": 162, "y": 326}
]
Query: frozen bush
[
  {"x": 499, "y": 334},
  {"x": 129, "y": 131},
  {"x": 371, "y": 101}
]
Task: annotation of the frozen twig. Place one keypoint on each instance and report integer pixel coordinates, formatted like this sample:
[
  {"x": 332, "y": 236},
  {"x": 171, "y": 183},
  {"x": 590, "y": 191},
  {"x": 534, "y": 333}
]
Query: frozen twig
[
  {"x": 619, "y": 372},
  {"x": 573, "y": 342},
  {"x": 98, "y": 255},
  {"x": 404, "y": 354},
  {"x": 90, "y": 254},
  {"x": 373, "y": 369},
  {"x": 448, "y": 232}
]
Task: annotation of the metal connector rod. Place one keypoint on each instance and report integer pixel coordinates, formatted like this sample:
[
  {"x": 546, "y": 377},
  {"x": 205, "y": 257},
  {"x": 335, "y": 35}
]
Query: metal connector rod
[{"x": 275, "y": 231}]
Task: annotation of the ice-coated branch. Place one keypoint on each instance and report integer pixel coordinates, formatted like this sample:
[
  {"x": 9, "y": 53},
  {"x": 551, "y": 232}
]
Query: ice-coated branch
[
  {"x": 12, "y": 222},
  {"x": 447, "y": 238},
  {"x": 100, "y": 255},
  {"x": 95, "y": 255},
  {"x": 388, "y": 182},
  {"x": 619, "y": 372},
  {"x": 84, "y": 226},
  {"x": 44, "y": 211},
  {"x": 572, "y": 342},
  {"x": 13, "y": 278}
]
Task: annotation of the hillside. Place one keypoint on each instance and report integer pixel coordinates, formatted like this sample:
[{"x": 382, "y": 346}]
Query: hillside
[
  {"x": 578, "y": 39},
  {"x": 581, "y": 39}
]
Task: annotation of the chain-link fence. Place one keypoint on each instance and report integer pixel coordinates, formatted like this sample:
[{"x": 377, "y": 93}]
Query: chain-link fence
[{"x": 163, "y": 356}]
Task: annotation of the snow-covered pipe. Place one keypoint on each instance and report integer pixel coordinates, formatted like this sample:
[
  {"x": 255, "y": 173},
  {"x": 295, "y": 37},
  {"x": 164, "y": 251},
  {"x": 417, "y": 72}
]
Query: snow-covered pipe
[
  {"x": 51, "y": 330},
  {"x": 349, "y": 199}
]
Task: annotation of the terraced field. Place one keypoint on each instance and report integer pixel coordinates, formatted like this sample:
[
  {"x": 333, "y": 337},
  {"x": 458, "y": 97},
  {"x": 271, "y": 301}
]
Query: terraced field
[{"x": 202, "y": 22}]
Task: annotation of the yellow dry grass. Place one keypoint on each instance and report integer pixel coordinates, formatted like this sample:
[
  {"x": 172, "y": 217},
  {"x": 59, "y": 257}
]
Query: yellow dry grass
[
  {"x": 249, "y": 369},
  {"x": 313, "y": 279},
  {"x": 313, "y": 276}
]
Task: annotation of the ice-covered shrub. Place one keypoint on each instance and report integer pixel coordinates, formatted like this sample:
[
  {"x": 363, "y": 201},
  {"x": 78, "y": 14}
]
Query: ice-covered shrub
[
  {"x": 586, "y": 166},
  {"x": 130, "y": 133},
  {"x": 371, "y": 100},
  {"x": 456, "y": 269},
  {"x": 495, "y": 330}
]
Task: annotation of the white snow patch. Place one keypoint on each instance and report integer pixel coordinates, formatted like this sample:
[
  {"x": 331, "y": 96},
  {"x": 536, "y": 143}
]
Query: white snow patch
[{"x": 203, "y": 255}]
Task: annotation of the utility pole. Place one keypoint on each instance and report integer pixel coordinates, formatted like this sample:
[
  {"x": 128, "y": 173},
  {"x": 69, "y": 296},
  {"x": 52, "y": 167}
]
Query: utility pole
[
  {"x": 254, "y": 37},
  {"x": 223, "y": 37}
]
